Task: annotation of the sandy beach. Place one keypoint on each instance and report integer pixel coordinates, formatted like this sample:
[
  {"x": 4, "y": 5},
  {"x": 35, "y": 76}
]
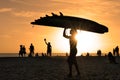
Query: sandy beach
[{"x": 56, "y": 68}]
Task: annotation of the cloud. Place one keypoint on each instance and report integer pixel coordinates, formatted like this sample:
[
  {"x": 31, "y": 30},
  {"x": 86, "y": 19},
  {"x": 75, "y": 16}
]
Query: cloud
[
  {"x": 69, "y": 1},
  {"x": 5, "y": 10},
  {"x": 26, "y": 13},
  {"x": 33, "y": 2},
  {"x": 5, "y": 36},
  {"x": 98, "y": 8}
]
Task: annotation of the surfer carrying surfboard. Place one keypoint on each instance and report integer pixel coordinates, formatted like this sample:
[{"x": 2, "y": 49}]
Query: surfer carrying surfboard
[{"x": 73, "y": 50}]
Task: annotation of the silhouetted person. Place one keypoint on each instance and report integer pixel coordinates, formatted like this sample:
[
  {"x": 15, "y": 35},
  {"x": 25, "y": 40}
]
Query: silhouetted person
[
  {"x": 43, "y": 55},
  {"x": 67, "y": 54},
  {"x": 111, "y": 58},
  {"x": 31, "y": 50},
  {"x": 117, "y": 50},
  {"x": 36, "y": 55},
  {"x": 99, "y": 52},
  {"x": 113, "y": 51},
  {"x": 73, "y": 51},
  {"x": 21, "y": 51},
  {"x": 87, "y": 54},
  {"x": 49, "y": 48},
  {"x": 24, "y": 50}
]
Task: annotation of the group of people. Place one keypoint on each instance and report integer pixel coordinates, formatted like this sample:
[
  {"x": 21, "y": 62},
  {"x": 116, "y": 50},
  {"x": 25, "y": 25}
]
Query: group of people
[
  {"x": 116, "y": 51},
  {"x": 73, "y": 50},
  {"x": 22, "y": 50},
  {"x": 111, "y": 56}
]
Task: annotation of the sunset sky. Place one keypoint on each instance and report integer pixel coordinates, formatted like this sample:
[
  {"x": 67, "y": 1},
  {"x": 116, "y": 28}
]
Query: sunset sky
[{"x": 15, "y": 27}]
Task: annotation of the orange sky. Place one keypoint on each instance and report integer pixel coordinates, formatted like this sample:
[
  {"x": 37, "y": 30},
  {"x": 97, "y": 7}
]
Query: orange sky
[{"x": 16, "y": 15}]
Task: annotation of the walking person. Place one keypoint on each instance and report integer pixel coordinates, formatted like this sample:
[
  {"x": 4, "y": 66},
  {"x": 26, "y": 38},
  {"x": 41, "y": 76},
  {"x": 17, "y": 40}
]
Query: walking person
[
  {"x": 31, "y": 50},
  {"x": 117, "y": 50},
  {"x": 24, "y": 50},
  {"x": 21, "y": 51}
]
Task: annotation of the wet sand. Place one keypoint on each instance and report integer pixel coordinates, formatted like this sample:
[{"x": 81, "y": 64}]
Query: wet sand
[{"x": 56, "y": 68}]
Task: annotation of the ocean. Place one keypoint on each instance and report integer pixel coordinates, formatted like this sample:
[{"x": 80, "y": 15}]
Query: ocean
[
  {"x": 17, "y": 55},
  {"x": 40, "y": 54},
  {"x": 9, "y": 55}
]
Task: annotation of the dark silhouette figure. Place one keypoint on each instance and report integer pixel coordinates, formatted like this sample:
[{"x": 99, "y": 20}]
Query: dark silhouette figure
[
  {"x": 22, "y": 51},
  {"x": 49, "y": 48},
  {"x": 87, "y": 54},
  {"x": 117, "y": 51},
  {"x": 111, "y": 58},
  {"x": 113, "y": 51},
  {"x": 36, "y": 55},
  {"x": 43, "y": 55},
  {"x": 31, "y": 50},
  {"x": 99, "y": 53},
  {"x": 67, "y": 54},
  {"x": 73, "y": 51}
]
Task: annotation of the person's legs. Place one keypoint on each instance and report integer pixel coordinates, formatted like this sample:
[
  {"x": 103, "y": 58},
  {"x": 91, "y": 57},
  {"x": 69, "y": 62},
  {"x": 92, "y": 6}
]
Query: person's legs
[
  {"x": 70, "y": 70},
  {"x": 76, "y": 65},
  {"x": 47, "y": 53},
  {"x": 114, "y": 60},
  {"x": 77, "y": 69},
  {"x": 70, "y": 66}
]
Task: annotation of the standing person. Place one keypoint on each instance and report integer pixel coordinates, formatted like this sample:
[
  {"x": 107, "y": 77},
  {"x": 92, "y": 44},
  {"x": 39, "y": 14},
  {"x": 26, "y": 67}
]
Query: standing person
[
  {"x": 111, "y": 58},
  {"x": 24, "y": 50},
  {"x": 49, "y": 48},
  {"x": 31, "y": 50},
  {"x": 21, "y": 51},
  {"x": 73, "y": 51},
  {"x": 113, "y": 51},
  {"x": 117, "y": 50}
]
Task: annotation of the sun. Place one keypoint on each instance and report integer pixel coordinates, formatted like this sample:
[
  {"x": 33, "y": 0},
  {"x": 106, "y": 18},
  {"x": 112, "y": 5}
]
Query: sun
[{"x": 87, "y": 42}]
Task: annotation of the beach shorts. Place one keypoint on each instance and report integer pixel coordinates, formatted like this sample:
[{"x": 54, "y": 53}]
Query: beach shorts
[{"x": 72, "y": 60}]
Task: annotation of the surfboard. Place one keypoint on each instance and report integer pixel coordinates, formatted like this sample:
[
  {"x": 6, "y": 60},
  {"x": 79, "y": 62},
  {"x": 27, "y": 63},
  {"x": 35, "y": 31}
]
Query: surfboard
[{"x": 62, "y": 21}]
